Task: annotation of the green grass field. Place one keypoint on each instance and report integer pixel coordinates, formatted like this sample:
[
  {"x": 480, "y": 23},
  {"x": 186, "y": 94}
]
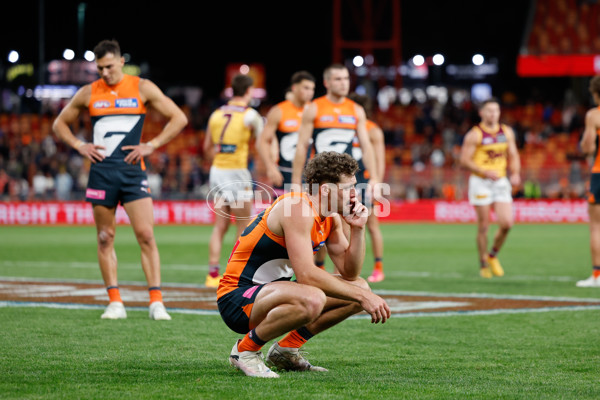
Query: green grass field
[{"x": 67, "y": 354}]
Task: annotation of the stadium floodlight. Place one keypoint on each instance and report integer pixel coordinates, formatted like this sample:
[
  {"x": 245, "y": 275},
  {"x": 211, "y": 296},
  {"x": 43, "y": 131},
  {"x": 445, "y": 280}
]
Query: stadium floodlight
[
  {"x": 13, "y": 56},
  {"x": 438, "y": 59},
  {"x": 477, "y": 59},
  {"x": 89, "y": 55},
  {"x": 68, "y": 54},
  {"x": 418, "y": 60},
  {"x": 244, "y": 69},
  {"x": 358, "y": 61}
]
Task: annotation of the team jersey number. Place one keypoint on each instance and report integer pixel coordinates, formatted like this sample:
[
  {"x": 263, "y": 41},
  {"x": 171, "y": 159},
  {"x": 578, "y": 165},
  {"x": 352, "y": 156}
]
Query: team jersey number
[
  {"x": 337, "y": 140},
  {"x": 110, "y": 131},
  {"x": 221, "y": 147}
]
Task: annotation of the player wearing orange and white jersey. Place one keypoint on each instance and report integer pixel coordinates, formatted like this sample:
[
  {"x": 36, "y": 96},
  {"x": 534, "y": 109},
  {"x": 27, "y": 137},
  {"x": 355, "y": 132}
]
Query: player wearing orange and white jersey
[
  {"x": 227, "y": 141},
  {"x": 117, "y": 105},
  {"x": 281, "y": 130},
  {"x": 257, "y": 298},
  {"x": 488, "y": 150},
  {"x": 589, "y": 145}
]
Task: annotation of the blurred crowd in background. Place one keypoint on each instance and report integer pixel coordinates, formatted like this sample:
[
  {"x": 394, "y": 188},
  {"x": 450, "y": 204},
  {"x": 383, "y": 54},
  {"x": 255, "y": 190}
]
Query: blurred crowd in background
[{"x": 423, "y": 140}]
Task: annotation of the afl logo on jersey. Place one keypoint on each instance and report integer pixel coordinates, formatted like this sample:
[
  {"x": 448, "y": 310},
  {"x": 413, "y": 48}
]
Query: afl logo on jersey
[
  {"x": 102, "y": 104},
  {"x": 327, "y": 118},
  {"x": 347, "y": 119},
  {"x": 290, "y": 123},
  {"x": 487, "y": 140},
  {"x": 126, "y": 103}
]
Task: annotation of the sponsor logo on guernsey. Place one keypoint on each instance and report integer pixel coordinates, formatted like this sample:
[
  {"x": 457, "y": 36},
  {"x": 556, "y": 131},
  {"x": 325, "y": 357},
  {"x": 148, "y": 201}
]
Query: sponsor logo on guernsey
[
  {"x": 102, "y": 104},
  {"x": 347, "y": 119},
  {"x": 95, "y": 194},
  {"x": 126, "y": 103},
  {"x": 290, "y": 123}
]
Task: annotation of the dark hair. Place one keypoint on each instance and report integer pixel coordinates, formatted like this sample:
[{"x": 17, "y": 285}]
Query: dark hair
[
  {"x": 302, "y": 76},
  {"x": 240, "y": 84},
  {"x": 595, "y": 85},
  {"x": 328, "y": 70},
  {"x": 363, "y": 100},
  {"x": 488, "y": 101},
  {"x": 107, "y": 46},
  {"x": 328, "y": 167}
]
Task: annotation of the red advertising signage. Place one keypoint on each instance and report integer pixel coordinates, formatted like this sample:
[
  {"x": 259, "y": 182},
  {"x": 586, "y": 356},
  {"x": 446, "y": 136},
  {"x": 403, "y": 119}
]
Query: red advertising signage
[
  {"x": 558, "y": 65},
  {"x": 201, "y": 212}
]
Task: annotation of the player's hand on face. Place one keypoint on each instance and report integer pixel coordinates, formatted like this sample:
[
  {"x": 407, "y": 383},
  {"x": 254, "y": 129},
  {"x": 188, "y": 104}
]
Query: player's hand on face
[
  {"x": 92, "y": 152},
  {"x": 358, "y": 213},
  {"x": 137, "y": 152}
]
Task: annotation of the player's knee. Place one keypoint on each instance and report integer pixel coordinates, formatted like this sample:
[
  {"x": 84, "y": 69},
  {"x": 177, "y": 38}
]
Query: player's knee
[
  {"x": 145, "y": 236},
  {"x": 106, "y": 237},
  {"x": 506, "y": 225},
  {"x": 313, "y": 304}
]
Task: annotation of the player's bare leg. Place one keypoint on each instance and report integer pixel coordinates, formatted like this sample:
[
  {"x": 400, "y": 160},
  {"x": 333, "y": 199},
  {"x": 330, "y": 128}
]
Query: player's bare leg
[
  {"x": 286, "y": 353},
  {"x": 377, "y": 245},
  {"x": 483, "y": 226},
  {"x": 504, "y": 217},
  {"x": 242, "y": 217},
  {"x": 104, "y": 218},
  {"x": 594, "y": 279},
  {"x": 141, "y": 216},
  {"x": 278, "y": 308},
  {"x": 220, "y": 227}
]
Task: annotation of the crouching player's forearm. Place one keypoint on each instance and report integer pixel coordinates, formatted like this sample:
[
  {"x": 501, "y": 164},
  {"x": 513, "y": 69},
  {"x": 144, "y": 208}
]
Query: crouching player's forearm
[{"x": 355, "y": 254}]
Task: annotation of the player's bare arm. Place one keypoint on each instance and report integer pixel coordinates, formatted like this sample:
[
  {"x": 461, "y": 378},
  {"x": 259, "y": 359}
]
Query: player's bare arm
[
  {"x": 68, "y": 116},
  {"x": 208, "y": 146},
  {"x": 264, "y": 146},
  {"x": 348, "y": 257},
  {"x": 514, "y": 160},
  {"x": 153, "y": 97},
  {"x": 466, "y": 156},
  {"x": 378, "y": 141},
  {"x": 296, "y": 228},
  {"x": 592, "y": 124},
  {"x": 304, "y": 133},
  {"x": 365, "y": 144}
]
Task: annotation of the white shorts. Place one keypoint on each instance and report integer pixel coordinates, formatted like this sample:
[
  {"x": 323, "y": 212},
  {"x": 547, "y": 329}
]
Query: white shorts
[
  {"x": 483, "y": 192},
  {"x": 230, "y": 184}
]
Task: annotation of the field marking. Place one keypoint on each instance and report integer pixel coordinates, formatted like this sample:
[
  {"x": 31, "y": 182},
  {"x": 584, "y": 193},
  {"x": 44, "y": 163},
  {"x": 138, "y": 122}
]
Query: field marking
[
  {"x": 203, "y": 267},
  {"x": 201, "y": 301},
  {"x": 97, "y": 307}
]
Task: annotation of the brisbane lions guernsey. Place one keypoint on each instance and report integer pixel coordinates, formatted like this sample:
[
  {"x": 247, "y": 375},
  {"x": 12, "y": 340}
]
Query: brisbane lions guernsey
[
  {"x": 334, "y": 126},
  {"x": 260, "y": 256},
  {"x": 491, "y": 152},
  {"x": 117, "y": 114}
]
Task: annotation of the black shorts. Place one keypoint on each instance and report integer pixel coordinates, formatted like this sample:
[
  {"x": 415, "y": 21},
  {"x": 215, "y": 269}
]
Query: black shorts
[
  {"x": 109, "y": 185},
  {"x": 231, "y": 307},
  {"x": 594, "y": 193}
]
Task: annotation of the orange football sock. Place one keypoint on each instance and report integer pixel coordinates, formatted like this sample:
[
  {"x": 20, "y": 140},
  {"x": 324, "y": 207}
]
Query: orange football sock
[
  {"x": 250, "y": 342},
  {"x": 296, "y": 338},
  {"x": 378, "y": 264},
  {"x": 155, "y": 294},
  {"x": 596, "y": 272},
  {"x": 113, "y": 294}
]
